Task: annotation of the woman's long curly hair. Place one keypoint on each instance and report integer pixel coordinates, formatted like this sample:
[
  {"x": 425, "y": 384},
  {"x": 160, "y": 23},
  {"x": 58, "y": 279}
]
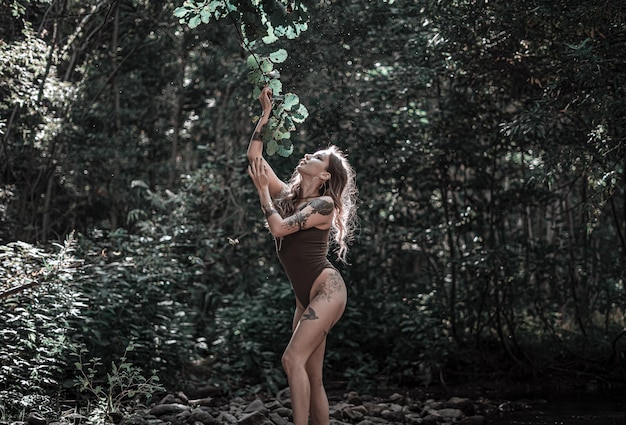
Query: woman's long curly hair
[{"x": 341, "y": 187}]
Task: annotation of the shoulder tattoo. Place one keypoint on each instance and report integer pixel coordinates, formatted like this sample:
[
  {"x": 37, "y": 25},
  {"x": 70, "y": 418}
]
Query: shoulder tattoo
[{"x": 322, "y": 206}]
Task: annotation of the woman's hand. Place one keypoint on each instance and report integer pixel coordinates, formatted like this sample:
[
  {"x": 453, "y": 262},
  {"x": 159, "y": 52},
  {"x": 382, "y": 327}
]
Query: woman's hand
[
  {"x": 258, "y": 172},
  {"x": 266, "y": 99}
]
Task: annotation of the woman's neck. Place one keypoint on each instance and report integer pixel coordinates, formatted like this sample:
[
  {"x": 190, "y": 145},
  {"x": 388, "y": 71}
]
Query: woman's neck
[{"x": 308, "y": 190}]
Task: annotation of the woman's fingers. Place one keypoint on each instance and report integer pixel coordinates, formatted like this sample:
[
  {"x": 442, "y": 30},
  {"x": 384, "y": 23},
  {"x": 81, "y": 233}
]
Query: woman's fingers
[
  {"x": 258, "y": 172},
  {"x": 266, "y": 96}
]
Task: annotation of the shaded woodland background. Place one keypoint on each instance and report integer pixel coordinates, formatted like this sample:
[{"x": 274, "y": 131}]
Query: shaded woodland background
[{"x": 489, "y": 142}]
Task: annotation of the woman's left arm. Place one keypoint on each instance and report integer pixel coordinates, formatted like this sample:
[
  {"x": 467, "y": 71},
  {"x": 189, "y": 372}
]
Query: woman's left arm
[{"x": 318, "y": 213}]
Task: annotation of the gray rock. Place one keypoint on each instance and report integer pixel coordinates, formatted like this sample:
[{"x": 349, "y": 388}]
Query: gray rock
[
  {"x": 277, "y": 419},
  {"x": 285, "y": 412},
  {"x": 352, "y": 413},
  {"x": 183, "y": 397},
  {"x": 183, "y": 416},
  {"x": 169, "y": 419},
  {"x": 430, "y": 420},
  {"x": 35, "y": 419},
  {"x": 354, "y": 398},
  {"x": 413, "y": 419},
  {"x": 273, "y": 405},
  {"x": 168, "y": 409},
  {"x": 392, "y": 415},
  {"x": 168, "y": 399},
  {"x": 396, "y": 398},
  {"x": 254, "y": 418},
  {"x": 206, "y": 401},
  {"x": 448, "y": 413},
  {"x": 226, "y": 418},
  {"x": 199, "y": 415},
  {"x": 433, "y": 404},
  {"x": 256, "y": 406},
  {"x": 284, "y": 397},
  {"x": 473, "y": 420},
  {"x": 375, "y": 420},
  {"x": 464, "y": 404}
]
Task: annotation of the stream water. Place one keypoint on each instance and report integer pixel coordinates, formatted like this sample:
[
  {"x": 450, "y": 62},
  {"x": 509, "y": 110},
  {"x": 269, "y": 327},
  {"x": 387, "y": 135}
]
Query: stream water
[{"x": 594, "y": 411}]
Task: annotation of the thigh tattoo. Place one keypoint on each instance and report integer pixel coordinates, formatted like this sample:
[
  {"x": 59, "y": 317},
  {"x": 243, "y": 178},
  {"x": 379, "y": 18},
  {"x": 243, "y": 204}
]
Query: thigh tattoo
[{"x": 330, "y": 286}]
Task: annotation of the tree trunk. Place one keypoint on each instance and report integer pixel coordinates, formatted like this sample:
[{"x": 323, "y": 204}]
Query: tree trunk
[{"x": 177, "y": 118}]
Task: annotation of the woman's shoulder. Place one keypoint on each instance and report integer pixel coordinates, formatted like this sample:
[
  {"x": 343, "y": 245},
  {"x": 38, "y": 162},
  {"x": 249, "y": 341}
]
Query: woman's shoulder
[{"x": 322, "y": 204}]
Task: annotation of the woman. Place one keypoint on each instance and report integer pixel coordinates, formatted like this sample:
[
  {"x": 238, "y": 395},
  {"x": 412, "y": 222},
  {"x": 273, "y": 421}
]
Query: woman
[{"x": 318, "y": 201}]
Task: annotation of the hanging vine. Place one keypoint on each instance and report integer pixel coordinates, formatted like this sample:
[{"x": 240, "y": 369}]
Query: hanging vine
[{"x": 265, "y": 22}]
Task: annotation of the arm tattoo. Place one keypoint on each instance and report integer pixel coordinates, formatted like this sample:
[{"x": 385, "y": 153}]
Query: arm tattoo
[
  {"x": 322, "y": 206},
  {"x": 297, "y": 220},
  {"x": 257, "y": 136},
  {"x": 268, "y": 209}
]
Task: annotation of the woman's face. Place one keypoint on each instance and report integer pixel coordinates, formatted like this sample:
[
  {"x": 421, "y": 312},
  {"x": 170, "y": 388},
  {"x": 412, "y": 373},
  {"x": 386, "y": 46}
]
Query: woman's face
[{"x": 314, "y": 164}]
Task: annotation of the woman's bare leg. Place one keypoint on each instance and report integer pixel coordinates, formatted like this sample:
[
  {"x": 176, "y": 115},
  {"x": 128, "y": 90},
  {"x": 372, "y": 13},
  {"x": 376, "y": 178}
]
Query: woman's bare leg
[
  {"x": 304, "y": 356},
  {"x": 319, "y": 400}
]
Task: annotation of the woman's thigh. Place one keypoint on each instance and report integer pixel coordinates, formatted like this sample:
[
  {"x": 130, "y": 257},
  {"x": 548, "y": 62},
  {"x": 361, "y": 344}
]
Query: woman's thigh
[
  {"x": 329, "y": 288},
  {"x": 328, "y": 302}
]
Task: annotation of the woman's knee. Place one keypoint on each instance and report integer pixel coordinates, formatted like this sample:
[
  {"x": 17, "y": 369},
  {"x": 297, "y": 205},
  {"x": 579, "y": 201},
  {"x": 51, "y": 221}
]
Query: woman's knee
[{"x": 289, "y": 362}]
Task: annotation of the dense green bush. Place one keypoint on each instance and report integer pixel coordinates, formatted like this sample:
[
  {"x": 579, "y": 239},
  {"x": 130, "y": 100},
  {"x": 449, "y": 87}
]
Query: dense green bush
[
  {"x": 133, "y": 286},
  {"x": 39, "y": 302},
  {"x": 251, "y": 331}
]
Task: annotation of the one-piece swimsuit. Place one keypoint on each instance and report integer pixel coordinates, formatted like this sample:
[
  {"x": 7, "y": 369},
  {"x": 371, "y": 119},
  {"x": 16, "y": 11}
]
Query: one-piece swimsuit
[{"x": 303, "y": 255}]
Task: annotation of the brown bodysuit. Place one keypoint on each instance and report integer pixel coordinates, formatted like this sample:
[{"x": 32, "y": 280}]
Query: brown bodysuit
[{"x": 303, "y": 256}]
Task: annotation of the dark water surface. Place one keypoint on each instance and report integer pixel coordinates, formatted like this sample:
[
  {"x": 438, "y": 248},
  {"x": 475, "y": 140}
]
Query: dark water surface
[{"x": 592, "y": 411}]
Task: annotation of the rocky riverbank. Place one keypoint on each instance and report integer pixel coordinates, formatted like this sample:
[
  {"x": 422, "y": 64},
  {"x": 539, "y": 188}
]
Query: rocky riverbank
[{"x": 347, "y": 408}]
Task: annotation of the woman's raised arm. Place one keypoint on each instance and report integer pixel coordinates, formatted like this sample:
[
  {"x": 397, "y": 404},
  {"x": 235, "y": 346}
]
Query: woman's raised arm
[{"x": 255, "y": 147}]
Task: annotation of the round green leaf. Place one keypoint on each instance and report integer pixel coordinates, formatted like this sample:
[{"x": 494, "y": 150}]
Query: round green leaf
[
  {"x": 301, "y": 114},
  {"x": 252, "y": 61},
  {"x": 271, "y": 147},
  {"x": 254, "y": 76},
  {"x": 266, "y": 65},
  {"x": 194, "y": 22},
  {"x": 180, "y": 12},
  {"x": 276, "y": 86},
  {"x": 270, "y": 37},
  {"x": 291, "y": 100},
  {"x": 278, "y": 56},
  {"x": 205, "y": 16},
  {"x": 285, "y": 151}
]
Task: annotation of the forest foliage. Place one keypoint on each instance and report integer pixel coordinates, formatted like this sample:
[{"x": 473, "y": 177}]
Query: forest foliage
[{"x": 489, "y": 144}]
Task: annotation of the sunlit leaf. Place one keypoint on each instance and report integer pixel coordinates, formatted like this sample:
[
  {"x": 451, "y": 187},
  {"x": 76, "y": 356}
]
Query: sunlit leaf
[
  {"x": 285, "y": 151},
  {"x": 301, "y": 114},
  {"x": 291, "y": 99},
  {"x": 194, "y": 22},
  {"x": 271, "y": 147},
  {"x": 266, "y": 65},
  {"x": 180, "y": 12},
  {"x": 278, "y": 56},
  {"x": 270, "y": 37},
  {"x": 205, "y": 16},
  {"x": 276, "y": 86}
]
